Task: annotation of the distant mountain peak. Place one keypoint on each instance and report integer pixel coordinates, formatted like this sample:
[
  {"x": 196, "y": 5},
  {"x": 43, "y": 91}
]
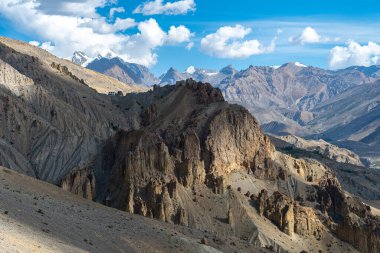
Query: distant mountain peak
[
  {"x": 293, "y": 64},
  {"x": 106, "y": 53},
  {"x": 191, "y": 70},
  {"x": 213, "y": 77},
  {"x": 172, "y": 69},
  {"x": 298, "y": 64},
  {"x": 228, "y": 70},
  {"x": 79, "y": 58},
  {"x": 109, "y": 63},
  {"x": 82, "y": 59}
]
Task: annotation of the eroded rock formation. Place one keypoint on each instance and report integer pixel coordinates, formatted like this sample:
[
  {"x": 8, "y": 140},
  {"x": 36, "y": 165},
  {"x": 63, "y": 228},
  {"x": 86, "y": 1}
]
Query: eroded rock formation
[
  {"x": 288, "y": 215},
  {"x": 81, "y": 182}
]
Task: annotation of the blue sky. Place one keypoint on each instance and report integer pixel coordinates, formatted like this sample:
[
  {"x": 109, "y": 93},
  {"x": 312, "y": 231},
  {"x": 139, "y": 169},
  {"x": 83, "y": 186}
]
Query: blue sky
[{"x": 328, "y": 34}]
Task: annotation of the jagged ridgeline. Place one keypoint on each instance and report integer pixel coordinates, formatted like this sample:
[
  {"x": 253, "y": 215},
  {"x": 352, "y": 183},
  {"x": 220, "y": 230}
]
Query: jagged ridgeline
[{"x": 180, "y": 154}]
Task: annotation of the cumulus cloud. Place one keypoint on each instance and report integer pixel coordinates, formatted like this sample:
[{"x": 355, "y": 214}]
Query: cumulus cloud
[
  {"x": 64, "y": 32},
  {"x": 308, "y": 36},
  {"x": 113, "y": 11},
  {"x": 143, "y": 44},
  {"x": 150, "y": 37},
  {"x": 75, "y": 8},
  {"x": 354, "y": 54},
  {"x": 228, "y": 42},
  {"x": 48, "y": 46},
  {"x": 179, "y": 34},
  {"x": 99, "y": 25},
  {"x": 169, "y": 8},
  {"x": 34, "y": 43}
]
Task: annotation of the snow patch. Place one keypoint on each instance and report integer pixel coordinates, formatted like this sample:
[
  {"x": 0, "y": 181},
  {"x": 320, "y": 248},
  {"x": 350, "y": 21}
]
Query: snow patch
[
  {"x": 190, "y": 70},
  {"x": 106, "y": 53},
  {"x": 298, "y": 64}
]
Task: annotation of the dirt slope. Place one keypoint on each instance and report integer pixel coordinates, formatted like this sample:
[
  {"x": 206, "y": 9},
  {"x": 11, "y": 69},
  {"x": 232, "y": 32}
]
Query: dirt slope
[{"x": 38, "y": 217}]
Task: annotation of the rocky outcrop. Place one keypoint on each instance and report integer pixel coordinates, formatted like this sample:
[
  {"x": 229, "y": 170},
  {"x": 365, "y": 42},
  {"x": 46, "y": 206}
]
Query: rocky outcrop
[
  {"x": 352, "y": 220},
  {"x": 288, "y": 215},
  {"x": 192, "y": 170},
  {"x": 236, "y": 142},
  {"x": 208, "y": 141},
  {"x": 142, "y": 179},
  {"x": 365, "y": 236},
  {"x": 80, "y": 182},
  {"x": 65, "y": 70},
  {"x": 307, "y": 223},
  {"x": 279, "y": 209}
]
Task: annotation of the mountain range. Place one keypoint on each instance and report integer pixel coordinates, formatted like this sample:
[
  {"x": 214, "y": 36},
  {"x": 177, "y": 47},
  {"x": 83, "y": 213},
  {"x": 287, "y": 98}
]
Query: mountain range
[
  {"x": 289, "y": 99},
  {"x": 180, "y": 154},
  {"x": 106, "y": 62}
]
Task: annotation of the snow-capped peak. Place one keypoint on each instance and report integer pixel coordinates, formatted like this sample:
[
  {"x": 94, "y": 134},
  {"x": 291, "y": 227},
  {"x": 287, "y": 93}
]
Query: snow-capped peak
[
  {"x": 298, "y": 64},
  {"x": 80, "y": 58},
  {"x": 106, "y": 53},
  {"x": 190, "y": 70},
  {"x": 79, "y": 55},
  {"x": 84, "y": 60}
]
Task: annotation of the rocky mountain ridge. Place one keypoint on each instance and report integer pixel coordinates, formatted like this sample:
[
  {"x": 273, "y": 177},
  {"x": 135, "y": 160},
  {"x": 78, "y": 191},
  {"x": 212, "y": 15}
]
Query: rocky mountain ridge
[{"x": 108, "y": 63}]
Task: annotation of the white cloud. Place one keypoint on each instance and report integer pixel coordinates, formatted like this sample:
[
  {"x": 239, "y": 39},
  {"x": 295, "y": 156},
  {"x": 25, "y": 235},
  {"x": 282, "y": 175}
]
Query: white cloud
[
  {"x": 354, "y": 54},
  {"x": 99, "y": 25},
  {"x": 178, "y": 34},
  {"x": 48, "y": 46},
  {"x": 113, "y": 11},
  {"x": 75, "y": 8},
  {"x": 169, "y": 8},
  {"x": 308, "y": 36},
  {"x": 91, "y": 33},
  {"x": 34, "y": 43},
  {"x": 151, "y": 36},
  {"x": 228, "y": 42},
  {"x": 190, "y": 45}
]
